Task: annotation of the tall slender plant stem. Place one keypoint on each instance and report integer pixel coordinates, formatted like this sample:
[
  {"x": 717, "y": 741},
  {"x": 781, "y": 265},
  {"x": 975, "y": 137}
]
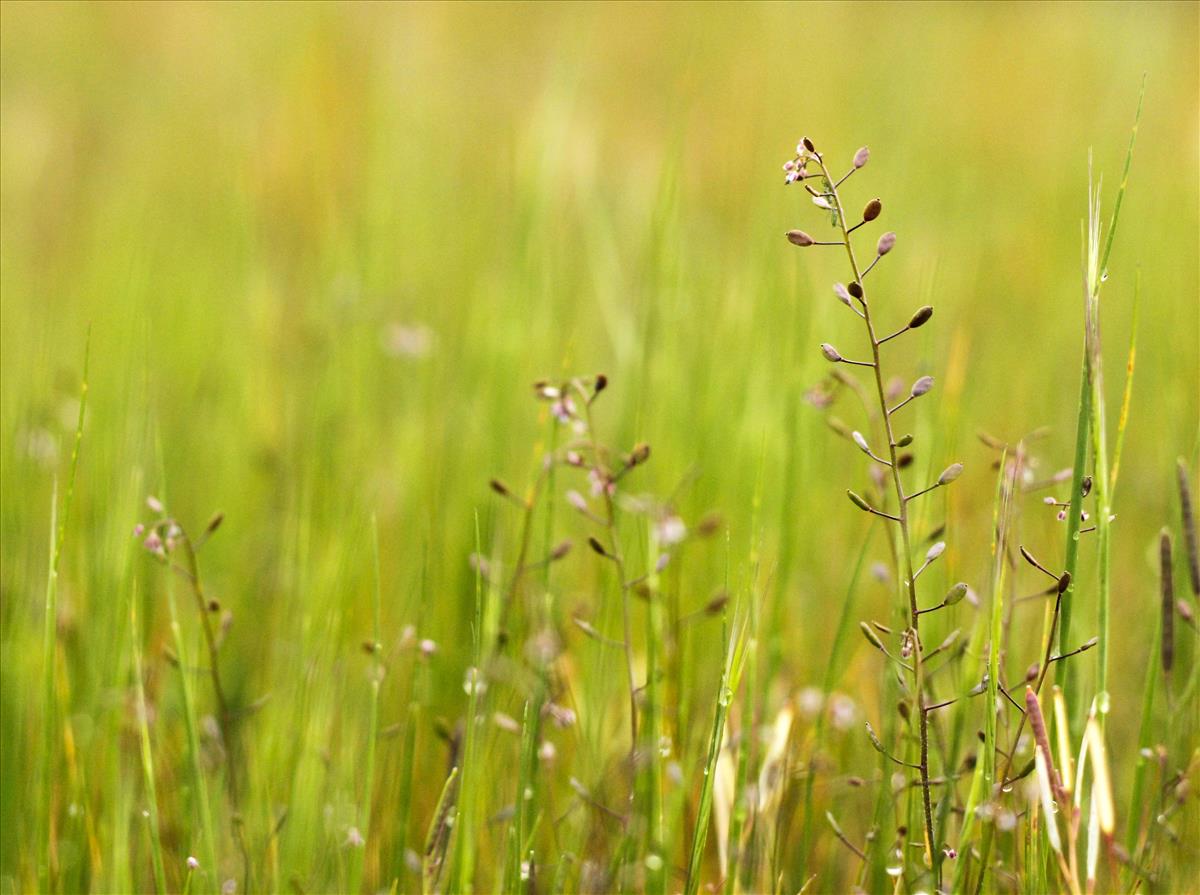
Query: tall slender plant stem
[
  {"x": 210, "y": 641},
  {"x": 901, "y": 521},
  {"x": 614, "y": 551}
]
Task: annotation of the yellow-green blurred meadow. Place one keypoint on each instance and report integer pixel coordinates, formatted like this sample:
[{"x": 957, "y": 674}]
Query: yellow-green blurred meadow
[{"x": 323, "y": 251}]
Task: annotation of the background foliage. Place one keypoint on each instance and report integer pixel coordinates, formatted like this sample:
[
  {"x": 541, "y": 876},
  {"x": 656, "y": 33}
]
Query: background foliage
[{"x": 325, "y": 250}]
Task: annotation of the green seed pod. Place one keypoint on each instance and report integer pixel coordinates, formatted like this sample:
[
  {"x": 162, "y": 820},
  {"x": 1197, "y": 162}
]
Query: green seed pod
[
  {"x": 872, "y": 637},
  {"x": 875, "y": 740},
  {"x": 956, "y": 593},
  {"x": 950, "y": 473},
  {"x": 858, "y": 501}
]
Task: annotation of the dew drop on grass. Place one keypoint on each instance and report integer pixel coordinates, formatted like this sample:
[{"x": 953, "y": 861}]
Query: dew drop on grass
[{"x": 726, "y": 696}]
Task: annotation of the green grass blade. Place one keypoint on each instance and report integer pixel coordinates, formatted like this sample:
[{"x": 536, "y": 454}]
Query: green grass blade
[
  {"x": 151, "y": 810},
  {"x": 833, "y": 672},
  {"x": 1123, "y": 420},
  {"x": 731, "y": 672}
]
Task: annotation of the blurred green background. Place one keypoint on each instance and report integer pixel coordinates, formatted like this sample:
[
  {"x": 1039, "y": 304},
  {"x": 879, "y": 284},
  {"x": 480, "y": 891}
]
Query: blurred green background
[{"x": 323, "y": 251}]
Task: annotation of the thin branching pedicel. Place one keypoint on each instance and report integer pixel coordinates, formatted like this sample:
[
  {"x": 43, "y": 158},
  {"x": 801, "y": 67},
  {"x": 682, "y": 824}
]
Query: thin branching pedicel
[
  {"x": 171, "y": 545},
  {"x": 825, "y": 195},
  {"x": 165, "y": 540}
]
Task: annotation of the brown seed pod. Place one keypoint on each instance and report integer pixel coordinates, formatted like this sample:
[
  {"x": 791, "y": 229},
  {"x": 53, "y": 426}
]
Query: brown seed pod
[
  {"x": 874, "y": 207},
  {"x": 861, "y": 157},
  {"x": 831, "y": 353},
  {"x": 640, "y": 454},
  {"x": 921, "y": 317}
]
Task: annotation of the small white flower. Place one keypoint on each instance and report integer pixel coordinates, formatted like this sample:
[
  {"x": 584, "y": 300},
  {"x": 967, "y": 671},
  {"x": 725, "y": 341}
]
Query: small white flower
[
  {"x": 473, "y": 682},
  {"x": 810, "y": 701},
  {"x": 671, "y": 530},
  {"x": 843, "y": 712}
]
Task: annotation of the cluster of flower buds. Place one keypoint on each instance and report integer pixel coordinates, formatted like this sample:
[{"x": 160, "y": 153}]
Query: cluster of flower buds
[
  {"x": 163, "y": 535},
  {"x": 564, "y": 399},
  {"x": 599, "y": 497},
  {"x": 795, "y": 168}
]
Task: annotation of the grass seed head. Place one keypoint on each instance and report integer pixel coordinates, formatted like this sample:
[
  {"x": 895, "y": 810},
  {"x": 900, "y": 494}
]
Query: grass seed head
[
  {"x": 1167, "y": 648},
  {"x": 1189, "y": 527}
]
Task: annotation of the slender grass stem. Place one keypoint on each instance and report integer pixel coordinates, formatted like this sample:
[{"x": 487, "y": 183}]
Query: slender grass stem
[
  {"x": 151, "y": 810},
  {"x": 48, "y": 864}
]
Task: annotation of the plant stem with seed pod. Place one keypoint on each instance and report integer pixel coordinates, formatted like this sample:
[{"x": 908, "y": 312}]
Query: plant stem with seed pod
[{"x": 901, "y": 520}]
